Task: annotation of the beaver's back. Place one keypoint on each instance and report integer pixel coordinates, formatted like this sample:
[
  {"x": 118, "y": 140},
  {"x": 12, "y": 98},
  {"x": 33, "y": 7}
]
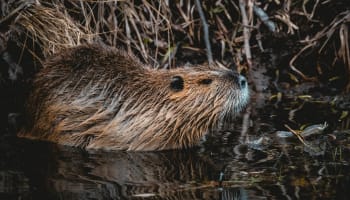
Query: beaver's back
[{"x": 88, "y": 75}]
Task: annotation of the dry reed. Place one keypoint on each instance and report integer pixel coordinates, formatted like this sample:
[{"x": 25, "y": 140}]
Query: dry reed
[{"x": 160, "y": 31}]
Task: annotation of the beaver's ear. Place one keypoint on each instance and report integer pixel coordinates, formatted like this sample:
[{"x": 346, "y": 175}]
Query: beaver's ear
[{"x": 177, "y": 83}]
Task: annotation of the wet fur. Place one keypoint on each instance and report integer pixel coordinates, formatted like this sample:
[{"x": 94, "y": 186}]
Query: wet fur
[{"x": 101, "y": 98}]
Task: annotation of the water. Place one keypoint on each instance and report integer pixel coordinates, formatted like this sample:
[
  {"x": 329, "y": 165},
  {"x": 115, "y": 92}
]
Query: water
[{"x": 223, "y": 168}]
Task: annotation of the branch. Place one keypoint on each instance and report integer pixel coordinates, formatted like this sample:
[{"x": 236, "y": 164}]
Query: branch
[
  {"x": 206, "y": 32},
  {"x": 264, "y": 18},
  {"x": 246, "y": 33}
]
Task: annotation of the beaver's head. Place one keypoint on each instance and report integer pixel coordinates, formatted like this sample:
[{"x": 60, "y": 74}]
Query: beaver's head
[
  {"x": 171, "y": 109},
  {"x": 222, "y": 89}
]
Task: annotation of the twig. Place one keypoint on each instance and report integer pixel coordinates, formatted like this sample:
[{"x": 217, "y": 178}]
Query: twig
[
  {"x": 206, "y": 32},
  {"x": 327, "y": 32},
  {"x": 3, "y": 42},
  {"x": 16, "y": 11},
  {"x": 291, "y": 62},
  {"x": 245, "y": 125},
  {"x": 285, "y": 18},
  {"x": 246, "y": 36},
  {"x": 264, "y": 18},
  {"x": 300, "y": 137},
  {"x": 246, "y": 33},
  {"x": 309, "y": 15},
  {"x": 128, "y": 35}
]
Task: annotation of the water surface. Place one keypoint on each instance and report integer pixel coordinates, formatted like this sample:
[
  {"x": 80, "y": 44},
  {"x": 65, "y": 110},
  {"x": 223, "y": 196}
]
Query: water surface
[{"x": 223, "y": 168}]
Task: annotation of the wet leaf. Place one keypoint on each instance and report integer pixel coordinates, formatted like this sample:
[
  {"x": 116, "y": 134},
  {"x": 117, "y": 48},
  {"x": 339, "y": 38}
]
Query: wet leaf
[
  {"x": 284, "y": 134},
  {"x": 300, "y": 182},
  {"x": 334, "y": 78},
  {"x": 314, "y": 129},
  {"x": 277, "y": 96},
  {"x": 293, "y": 78},
  {"x": 305, "y": 97},
  {"x": 217, "y": 10},
  {"x": 343, "y": 115}
]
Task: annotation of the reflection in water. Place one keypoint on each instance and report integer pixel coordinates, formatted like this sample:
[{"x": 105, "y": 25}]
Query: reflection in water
[
  {"x": 61, "y": 172},
  {"x": 266, "y": 167},
  {"x": 46, "y": 171},
  {"x": 136, "y": 174}
]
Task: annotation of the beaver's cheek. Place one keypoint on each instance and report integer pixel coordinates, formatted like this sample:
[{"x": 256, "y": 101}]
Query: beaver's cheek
[{"x": 178, "y": 95}]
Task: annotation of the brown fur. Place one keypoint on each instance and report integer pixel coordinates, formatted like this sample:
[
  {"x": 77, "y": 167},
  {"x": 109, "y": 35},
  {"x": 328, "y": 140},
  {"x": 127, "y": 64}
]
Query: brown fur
[{"x": 99, "y": 97}]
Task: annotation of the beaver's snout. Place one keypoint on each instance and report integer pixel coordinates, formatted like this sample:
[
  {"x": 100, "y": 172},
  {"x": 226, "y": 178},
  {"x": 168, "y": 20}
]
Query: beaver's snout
[{"x": 238, "y": 79}]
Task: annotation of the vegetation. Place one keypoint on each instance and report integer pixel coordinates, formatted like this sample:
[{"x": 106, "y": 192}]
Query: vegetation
[{"x": 168, "y": 33}]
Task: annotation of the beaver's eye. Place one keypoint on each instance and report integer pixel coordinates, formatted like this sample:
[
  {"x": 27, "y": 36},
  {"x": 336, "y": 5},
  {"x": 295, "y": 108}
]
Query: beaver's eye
[
  {"x": 206, "y": 81},
  {"x": 177, "y": 83}
]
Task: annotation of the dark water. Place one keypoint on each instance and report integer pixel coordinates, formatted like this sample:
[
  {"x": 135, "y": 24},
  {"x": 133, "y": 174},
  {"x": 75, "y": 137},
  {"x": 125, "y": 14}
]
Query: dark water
[{"x": 224, "y": 168}]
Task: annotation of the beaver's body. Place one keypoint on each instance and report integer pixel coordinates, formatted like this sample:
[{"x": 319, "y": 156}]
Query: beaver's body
[{"x": 98, "y": 97}]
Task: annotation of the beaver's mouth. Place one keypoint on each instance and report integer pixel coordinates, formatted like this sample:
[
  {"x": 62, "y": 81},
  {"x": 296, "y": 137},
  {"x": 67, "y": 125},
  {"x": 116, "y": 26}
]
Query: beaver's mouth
[
  {"x": 241, "y": 98},
  {"x": 244, "y": 97},
  {"x": 240, "y": 94},
  {"x": 236, "y": 102}
]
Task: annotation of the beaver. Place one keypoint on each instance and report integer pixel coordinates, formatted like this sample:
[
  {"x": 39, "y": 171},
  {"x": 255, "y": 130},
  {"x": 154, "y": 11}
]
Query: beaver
[{"x": 99, "y": 97}]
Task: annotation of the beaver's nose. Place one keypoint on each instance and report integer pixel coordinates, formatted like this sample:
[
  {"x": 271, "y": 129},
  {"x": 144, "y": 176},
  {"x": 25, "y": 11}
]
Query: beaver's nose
[
  {"x": 238, "y": 79},
  {"x": 242, "y": 82}
]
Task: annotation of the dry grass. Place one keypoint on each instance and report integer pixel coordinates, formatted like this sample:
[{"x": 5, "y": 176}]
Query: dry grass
[
  {"x": 322, "y": 38},
  {"x": 156, "y": 30},
  {"x": 52, "y": 29},
  {"x": 153, "y": 30}
]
